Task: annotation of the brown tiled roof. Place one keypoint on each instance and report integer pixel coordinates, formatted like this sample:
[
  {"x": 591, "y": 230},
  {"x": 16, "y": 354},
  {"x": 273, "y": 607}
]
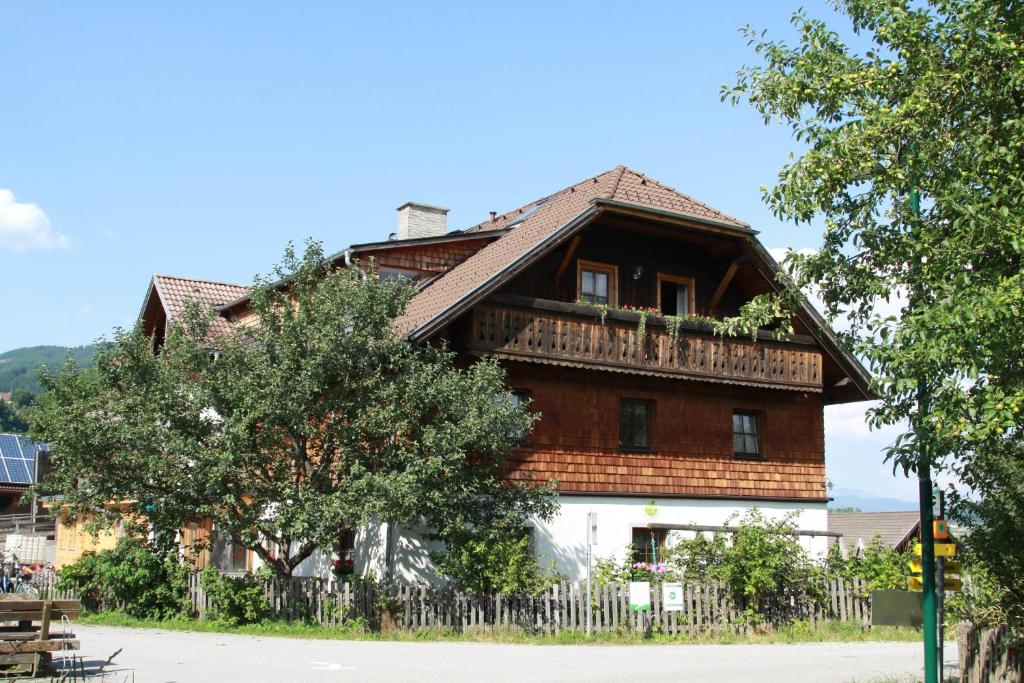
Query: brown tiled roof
[
  {"x": 538, "y": 220},
  {"x": 176, "y": 291},
  {"x": 893, "y": 528}
]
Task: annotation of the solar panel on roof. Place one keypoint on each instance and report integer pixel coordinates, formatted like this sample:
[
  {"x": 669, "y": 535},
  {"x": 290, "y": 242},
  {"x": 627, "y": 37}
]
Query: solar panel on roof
[
  {"x": 529, "y": 212},
  {"x": 9, "y": 445},
  {"x": 17, "y": 459},
  {"x": 19, "y": 473}
]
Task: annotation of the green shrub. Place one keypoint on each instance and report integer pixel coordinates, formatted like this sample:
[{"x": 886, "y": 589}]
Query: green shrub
[
  {"x": 882, "y": 567},
  {"x": 768, "y": 569},
  {"x": 763, "y": 564},
  {"x": 498, "y": 560},
  {"x": 235, "y": 600},
  {"x": 981, "y": 600},
  {"x": 133, "y": 577}
]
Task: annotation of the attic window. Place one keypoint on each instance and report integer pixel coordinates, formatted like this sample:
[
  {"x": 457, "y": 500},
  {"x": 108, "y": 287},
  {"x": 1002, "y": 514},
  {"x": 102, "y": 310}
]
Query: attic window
[
  {"x": 675, "y": 295},
  {"x": 597, "y": 283},
  {"x": 387, "y": 274}
]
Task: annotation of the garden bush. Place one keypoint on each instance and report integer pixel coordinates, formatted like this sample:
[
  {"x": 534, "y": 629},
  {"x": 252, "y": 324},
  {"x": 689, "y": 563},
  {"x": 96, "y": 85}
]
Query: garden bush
[
  {"x": 763, "y": 563},
  {"x": 879, "y": 565},
  {"x": 134, "y": 577},
  {"x": 235, "y": 600}
]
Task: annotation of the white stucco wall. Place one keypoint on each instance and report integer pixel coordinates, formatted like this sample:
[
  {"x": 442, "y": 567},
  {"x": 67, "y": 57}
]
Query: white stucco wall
[
  {"x": 564, "y": 537},
  {"x": 411, "y": 552}
]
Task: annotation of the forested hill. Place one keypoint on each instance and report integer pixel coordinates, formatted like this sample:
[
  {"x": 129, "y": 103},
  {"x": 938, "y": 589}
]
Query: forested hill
[{"x": 18, "y": 368}]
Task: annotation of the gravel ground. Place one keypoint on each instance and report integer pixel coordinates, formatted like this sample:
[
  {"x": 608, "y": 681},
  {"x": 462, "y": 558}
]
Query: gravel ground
[{"x": 156, "y": 655}]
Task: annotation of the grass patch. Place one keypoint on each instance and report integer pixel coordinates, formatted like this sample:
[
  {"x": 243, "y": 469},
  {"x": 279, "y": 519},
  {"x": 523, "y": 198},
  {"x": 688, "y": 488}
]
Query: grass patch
[{"x": 800, "y": 632}]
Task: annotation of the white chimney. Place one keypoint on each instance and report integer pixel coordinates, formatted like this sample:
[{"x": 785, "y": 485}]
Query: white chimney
[{"x": 421, "y": 220}]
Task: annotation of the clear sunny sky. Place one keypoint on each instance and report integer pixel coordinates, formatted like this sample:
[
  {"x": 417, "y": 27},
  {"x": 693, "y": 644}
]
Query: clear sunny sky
[{"x": 199, "y": 138}]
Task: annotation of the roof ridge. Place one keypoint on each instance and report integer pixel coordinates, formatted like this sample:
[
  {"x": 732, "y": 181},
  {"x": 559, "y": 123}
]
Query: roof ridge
[
  {"x": 621, "y": 168},
  {"x": 200, "y": 279},
  {"x": 655, "y": 181},
  {"x": 513, "y": 213}
]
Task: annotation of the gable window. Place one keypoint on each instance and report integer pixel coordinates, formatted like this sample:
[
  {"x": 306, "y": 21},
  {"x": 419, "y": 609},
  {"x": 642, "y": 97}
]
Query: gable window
[
  {"x": 597, "y": 283},
  {"x": 649, "y": 544},
  {"x": 746, "y": 434},
  {"x": 675, "y": 295},
  {"x": 520, "y": 397},
  {"x": 635, "y": 424},
  {"x": 388, "y": 274}
]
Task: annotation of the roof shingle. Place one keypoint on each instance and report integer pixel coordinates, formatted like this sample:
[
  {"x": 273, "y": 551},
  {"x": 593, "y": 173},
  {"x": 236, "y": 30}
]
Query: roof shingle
[
  {"x": 176, "y": 291},
  {"x": 893, "y": 528},
  {"x": 534, "y": 222}
]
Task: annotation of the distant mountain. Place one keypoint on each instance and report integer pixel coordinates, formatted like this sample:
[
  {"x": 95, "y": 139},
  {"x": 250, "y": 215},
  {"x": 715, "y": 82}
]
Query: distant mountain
[
  {"x": 865, "y": 502},
  {"x": 19, "y": 368}
]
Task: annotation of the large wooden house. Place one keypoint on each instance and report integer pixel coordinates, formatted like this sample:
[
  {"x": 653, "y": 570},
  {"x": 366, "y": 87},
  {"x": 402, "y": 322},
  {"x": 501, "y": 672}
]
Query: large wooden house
[{"x": 652, "y": 422}]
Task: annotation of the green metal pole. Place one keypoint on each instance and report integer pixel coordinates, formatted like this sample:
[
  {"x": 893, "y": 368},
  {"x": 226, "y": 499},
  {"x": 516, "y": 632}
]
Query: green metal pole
[{"x": 929, "y": 604}]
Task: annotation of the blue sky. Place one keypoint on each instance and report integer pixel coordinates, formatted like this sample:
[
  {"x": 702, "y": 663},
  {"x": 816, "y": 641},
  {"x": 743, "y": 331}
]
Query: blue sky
[{"x": 198, "y": 138}]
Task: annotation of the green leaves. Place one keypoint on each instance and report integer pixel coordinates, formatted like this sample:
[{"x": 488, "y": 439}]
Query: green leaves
[
  {"x": 934, "y": 104},
  {"x": 313, "y": 416}
]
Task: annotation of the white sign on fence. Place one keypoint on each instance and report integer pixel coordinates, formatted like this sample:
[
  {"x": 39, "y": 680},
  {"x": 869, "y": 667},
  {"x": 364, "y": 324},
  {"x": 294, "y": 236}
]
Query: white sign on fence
[
  {"x": 640, "y": 596},
  {"x": 672, "y": 596}
]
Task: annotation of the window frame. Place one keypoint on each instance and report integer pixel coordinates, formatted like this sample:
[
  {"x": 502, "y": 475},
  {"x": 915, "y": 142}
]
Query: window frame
[
  {"x": 691, "y": 289},
  {"x": 649, "y": 404},
  {"x": 412, "y": 275},
  {"x": 523, "y": 441},
  {"x": 758, "y": 434},
  {"x": 612, "y": 271},
  {"x": 640, "y": 555}
]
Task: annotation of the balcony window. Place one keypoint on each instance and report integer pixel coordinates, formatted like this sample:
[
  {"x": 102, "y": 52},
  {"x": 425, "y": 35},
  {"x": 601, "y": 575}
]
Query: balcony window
[
  {"x": 597, "y": 283},
  {"x": 675, "y": 295},
  {"x": 635, "y": 424},
  {"x": 746, "y": 434}
]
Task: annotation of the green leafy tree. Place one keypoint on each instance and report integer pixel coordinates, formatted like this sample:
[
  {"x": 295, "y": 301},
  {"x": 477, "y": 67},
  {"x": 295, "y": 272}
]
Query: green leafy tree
[
  {"x": 314, "y": 418},
  {"x": 11, "y": 419},
  {"x": 928, "y": 95}
]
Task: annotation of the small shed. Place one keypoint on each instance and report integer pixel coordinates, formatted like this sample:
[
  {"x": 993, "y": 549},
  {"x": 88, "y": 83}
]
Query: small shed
[{"x": 896, "y": 530}]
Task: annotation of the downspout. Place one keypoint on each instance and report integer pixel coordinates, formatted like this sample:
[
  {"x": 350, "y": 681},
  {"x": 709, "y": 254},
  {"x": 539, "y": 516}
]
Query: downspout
[{"x": 349, "y": 263}]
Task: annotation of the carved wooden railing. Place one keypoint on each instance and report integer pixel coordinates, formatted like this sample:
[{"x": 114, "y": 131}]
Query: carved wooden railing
[{"x": 575, "y": 335}]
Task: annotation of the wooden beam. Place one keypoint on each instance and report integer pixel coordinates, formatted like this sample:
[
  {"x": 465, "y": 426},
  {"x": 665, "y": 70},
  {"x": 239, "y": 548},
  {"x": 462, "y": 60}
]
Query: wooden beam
[
  {"x": 722, "y": 286},
  {"x": 575, "y": 242}
]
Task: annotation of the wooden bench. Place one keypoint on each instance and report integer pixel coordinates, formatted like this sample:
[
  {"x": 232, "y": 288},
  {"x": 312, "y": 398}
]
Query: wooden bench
[{"x": 25, "y": 630}]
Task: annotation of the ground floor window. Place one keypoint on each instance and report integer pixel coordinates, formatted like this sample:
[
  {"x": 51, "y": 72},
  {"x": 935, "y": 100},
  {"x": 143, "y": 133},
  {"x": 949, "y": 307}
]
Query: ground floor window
[
  {"x": 649, "y": 544},
  {"x": 227, "y": 555}
]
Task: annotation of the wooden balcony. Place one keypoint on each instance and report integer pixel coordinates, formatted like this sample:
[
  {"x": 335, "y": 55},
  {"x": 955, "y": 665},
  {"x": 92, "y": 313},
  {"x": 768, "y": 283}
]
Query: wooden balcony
[{"x": 538, "y": 330}]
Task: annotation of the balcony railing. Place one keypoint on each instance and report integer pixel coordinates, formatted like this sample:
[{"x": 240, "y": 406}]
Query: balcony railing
[{"x": 568, "y": 334}]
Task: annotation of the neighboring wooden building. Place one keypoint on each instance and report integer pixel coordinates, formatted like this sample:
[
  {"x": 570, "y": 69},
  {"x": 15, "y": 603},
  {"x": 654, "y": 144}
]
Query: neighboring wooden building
[
  {"x": 855, "y": 530},
  {"x": 661, "y": 433}
]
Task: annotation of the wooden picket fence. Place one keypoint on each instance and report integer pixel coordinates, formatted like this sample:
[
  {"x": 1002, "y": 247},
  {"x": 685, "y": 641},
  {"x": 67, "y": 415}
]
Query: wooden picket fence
[
  {"x": 992, "y": 655},
  {"x": 707, "y": 608}
]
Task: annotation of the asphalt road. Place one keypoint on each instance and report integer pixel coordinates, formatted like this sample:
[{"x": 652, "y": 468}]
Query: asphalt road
[{"x": 164, "y": 656}]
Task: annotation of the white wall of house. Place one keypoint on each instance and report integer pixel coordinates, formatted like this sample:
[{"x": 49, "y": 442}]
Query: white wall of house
[
  {"x": 564, "y": 538},
  {"x": 411, "y": 549}
]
